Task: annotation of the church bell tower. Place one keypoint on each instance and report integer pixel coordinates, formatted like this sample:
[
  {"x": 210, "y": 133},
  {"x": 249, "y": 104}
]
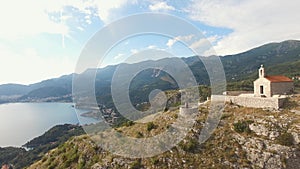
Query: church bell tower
[{"x": 261, "y": 71}]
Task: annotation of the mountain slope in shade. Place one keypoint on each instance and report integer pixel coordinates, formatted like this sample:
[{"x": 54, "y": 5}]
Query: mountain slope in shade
[
  {"x": 13, "y": 89},
  {"x": 56, "y": 87},
  {"x": 240, "y": 66},
  {"x": 47, "y": 92}
]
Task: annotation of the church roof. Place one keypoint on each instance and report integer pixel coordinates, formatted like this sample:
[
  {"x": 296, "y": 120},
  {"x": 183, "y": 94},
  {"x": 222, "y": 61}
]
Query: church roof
[{"x": 278, "y": 79}]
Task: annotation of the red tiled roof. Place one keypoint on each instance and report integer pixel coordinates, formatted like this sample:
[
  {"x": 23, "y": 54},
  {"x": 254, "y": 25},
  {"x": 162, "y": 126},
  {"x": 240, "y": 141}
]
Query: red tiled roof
[{"x": 278, "y": 79}]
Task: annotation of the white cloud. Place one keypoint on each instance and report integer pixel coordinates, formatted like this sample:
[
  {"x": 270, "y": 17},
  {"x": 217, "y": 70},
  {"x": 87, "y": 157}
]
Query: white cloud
[
  {"x": 158, "y": 6},
  {"x": 88, "y": 19},
  {"x": 27, "y": 18},
  {"x": 22, "y": 18},
  {"x": 253, "y": 22},
  {"x": 27, "y": 66},
  {"x": 151, "y": 47},
  {"x": 118, "y": 56},
  {"x": 187, "y": 38},
  {"x": 204, "y": 44},
  {"x": 134, "y": 51},
  {"x": 80, "y": 28},
  {"x": 171, "y": 42},
  {"x": 148, "y": 48},
  {"x": 104, "y": 7}
]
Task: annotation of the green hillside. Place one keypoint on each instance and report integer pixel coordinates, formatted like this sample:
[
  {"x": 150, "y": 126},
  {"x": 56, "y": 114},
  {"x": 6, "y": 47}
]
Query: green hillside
[{"x": 243, "y": 65}]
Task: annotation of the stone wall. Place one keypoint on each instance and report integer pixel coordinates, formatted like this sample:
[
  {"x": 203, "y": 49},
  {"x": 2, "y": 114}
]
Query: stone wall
[
  {"x": 281, "y": 102},
  {"x": 282, "y": 88},
  {"x": 256, "y": 102}
]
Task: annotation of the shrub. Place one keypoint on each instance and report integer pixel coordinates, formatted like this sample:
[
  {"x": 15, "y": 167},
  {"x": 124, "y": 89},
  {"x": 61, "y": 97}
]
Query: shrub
[
  {"x": 154, "y": 160},
  {"x": 190, "y": 145},
  {"x": 67, "y": 164},
  {"x": 52, "y": 166},
  {"x": 285, "y": 139},
  {"x": 81, "y": 165},
  {"x": 136, "y": 164},
  {"x": 225, "y": 116},
  {"x": 44, "y": 159},
  {"x": 150, "y": 126},
  {"x": 129, "y": 123},
  {"x": 139, "y": 135},
  {"x": 242, "y": 126},
  {"x": 176, "y": 116}
]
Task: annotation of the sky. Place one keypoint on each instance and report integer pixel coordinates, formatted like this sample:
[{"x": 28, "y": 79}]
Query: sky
[{"x": 44, "y": 39}]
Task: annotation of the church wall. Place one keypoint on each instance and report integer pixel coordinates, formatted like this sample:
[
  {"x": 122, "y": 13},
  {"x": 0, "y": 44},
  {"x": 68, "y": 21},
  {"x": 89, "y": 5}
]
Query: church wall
[
  {"x": 282, "y": 88},
  {"x": 265, "y": 83}
]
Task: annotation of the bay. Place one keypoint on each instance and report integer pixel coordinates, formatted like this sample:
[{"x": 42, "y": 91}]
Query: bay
[{"x": 21, "y": 122}]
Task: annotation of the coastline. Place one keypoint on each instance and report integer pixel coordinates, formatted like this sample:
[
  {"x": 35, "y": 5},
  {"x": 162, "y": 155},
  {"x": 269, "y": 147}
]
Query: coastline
[{"x": 31, "y": 119}]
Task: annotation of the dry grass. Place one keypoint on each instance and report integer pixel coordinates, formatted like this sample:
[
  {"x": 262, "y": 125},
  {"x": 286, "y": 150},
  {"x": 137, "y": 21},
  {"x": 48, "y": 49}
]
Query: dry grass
[{"x": 161, "y": 120}]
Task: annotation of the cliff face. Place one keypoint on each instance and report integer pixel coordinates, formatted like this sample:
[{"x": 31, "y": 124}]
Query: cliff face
[{"x": 245, "y": 138}]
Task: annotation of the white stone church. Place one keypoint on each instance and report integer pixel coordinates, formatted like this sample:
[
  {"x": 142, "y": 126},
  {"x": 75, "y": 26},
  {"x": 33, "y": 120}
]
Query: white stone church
[
  {"x": 269, "y": 92},
  {"x": 268, "y": 86}
]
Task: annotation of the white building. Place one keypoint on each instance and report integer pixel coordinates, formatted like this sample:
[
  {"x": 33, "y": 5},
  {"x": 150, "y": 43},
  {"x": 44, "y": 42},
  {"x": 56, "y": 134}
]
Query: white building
[
  {"x": 268, "y": 86},
  {"x": 269, "y": 92}
]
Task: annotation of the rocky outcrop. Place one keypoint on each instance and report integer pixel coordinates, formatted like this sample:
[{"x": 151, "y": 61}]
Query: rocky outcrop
[{"x": 263, "y": 153}]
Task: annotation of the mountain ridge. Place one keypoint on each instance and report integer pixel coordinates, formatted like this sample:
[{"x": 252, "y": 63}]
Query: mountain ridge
[{"x": 237, "y": 67}]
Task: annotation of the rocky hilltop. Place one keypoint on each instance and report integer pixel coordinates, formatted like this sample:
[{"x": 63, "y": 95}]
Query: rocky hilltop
[{"x": 244, "y": 138}]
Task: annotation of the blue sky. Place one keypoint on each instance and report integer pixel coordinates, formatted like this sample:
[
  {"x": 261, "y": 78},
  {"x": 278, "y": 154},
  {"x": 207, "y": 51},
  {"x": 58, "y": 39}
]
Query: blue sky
[{"x": 43, "y": 39}]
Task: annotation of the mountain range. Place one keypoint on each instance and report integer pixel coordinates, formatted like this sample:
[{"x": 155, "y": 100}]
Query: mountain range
[{"x": 278, "y": 58}]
